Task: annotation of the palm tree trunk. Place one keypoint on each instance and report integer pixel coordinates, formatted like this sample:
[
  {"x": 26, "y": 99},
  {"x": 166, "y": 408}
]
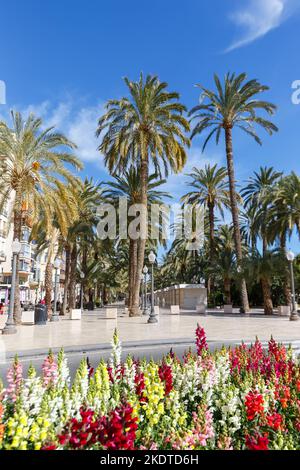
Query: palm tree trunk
[
  {"x": 72, "y": 285},
  {"x": 268, "y": 304},
  {"x": 67, "y": 280},
  {"x": 227, "y": 290},
  {"x": 235, "y": 214},
  {"x": 286, "y": 283},
  {"x": 48, "y": 287},
  {"x": 135, "y": 310},
  {"x": 132, "y": 269},
  {"x": 17, "y": 234},
  {"x": 211, "y": 283}
]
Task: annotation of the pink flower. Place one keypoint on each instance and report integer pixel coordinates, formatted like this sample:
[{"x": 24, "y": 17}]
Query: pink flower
[
  {"x": 14, "y": 379},
  {"x": 50, "y": 371}
]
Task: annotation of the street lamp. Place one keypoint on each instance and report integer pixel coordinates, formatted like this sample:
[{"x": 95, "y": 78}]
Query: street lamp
[
  {"x": 81, "y": 291},
  {"x": 145, "y": 309},
  {"x": 152, "y": 318},
  {"x": 10, "y": 324},
  {"x": 54, "y": 316},
  {"x": 290, "y": 257}
]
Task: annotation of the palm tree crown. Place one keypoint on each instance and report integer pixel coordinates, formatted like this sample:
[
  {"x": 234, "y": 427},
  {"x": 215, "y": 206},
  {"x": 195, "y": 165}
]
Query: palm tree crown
[
  {"x": 233, "y": 104},
  {"x": 148, "y": 124}
]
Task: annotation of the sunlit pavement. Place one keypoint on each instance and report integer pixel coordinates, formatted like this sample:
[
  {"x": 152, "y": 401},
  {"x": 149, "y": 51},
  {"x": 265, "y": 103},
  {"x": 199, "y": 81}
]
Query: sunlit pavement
[
  {"x": 95, "y": 330},
  {"x": 91, "y": 336}
]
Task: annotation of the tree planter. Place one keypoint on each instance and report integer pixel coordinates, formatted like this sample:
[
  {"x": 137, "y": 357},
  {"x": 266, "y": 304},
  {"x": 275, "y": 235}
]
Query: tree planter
[
  {"x": 75, "y": 314},
  {"x": 111, "y": 313},
  {"x": 200, "y": 308},
  {"x": 228, "y": 308},
  {"x": 28, "y": 317},
  {"x": 175, "y": 309},
  {"x": 284, "y": 310}
]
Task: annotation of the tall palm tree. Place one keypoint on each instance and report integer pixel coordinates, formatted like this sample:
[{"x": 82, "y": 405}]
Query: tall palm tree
[
  {"x": 284, "y": 217},
  {"x": 49, "y": 237},
  {"x": 211, "y": 190},
  {"x": 81, "y": 234},
  {"x": 128, "y": 186},
  {"x": 234, "y": 104},
  {"x": 258, "y": 194},
  {"x": 33, "y": 164},
  {"x": 148, "y": 126},
  {"x": 262, "y": 268},
  {"x": 225, "y": 262}
]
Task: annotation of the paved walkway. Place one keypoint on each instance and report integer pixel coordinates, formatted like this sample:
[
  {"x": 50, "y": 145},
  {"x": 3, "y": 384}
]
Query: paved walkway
[{"x": 95, "y": 331}]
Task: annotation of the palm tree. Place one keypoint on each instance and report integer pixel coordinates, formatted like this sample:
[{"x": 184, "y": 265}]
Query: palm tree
[
  {"x": 262, "y": 268},
  {"x": 128, "y": 186},
  {"x": 257, "y": 196},
  {"x": 49, "y": 237},
  {"x": 33, "y": 164},
  {"x": 225, "y": 262},
  {"x": 210, "y": 189},
  {"x": 148, "y": 126},
  {"x": 233, "y": 105},
  {"x": 284, "y": 217},
  {"x": 81, "y": 234}
]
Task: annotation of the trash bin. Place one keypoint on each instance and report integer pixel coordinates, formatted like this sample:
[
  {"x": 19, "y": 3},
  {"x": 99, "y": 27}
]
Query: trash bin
[{"x": 40, "y": 314}]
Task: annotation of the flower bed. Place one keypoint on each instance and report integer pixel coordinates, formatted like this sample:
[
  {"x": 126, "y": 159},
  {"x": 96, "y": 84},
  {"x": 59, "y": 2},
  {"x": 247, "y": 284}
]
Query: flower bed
[{"x": 244, "y": 398}]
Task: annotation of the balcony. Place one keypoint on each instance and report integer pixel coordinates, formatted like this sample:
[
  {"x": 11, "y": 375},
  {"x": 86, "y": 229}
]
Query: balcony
[
  {"x": 2, "y": 257},
  {"x": 4, "y": 213}
]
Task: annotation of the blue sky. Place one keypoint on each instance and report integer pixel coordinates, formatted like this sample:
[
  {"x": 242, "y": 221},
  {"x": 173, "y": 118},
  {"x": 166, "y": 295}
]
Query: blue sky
[{"x": 64, "y": 59}]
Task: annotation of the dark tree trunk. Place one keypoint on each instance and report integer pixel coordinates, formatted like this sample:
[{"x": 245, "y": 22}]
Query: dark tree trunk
[
  {"x": 235, "y": 214},
  {"x": 48, "y": 287},
  {"x": 211, "y": 283},
  {"x": 135, "y": 309},
  {"x": 286, "y": 283},
  {"x": 67, "y": 280},
  {"x": 227, "y": 290},
  {"x": 17, "y": 235},
  {"x": 133, "y": 245},
  {"x": 268, "y": 304},
  {"x": 72, "y": 285}
]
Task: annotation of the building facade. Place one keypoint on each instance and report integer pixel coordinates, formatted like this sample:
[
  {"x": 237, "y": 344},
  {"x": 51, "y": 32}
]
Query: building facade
[
  {"x": 32, "y": 265},
  {"x": 187, "y": 296}
]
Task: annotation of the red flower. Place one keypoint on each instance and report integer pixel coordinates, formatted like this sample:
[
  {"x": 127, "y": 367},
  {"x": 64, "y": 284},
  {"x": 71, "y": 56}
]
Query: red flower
[
  {"x": 257, "y": 442},
  {"x": 116, "y": 432},
  {"x": 254, "y": 405},
  {"x": 275, "y": 421},
  {"x": 201, "y": 342},
  {"x": 50, "y": 447},
  {"x": 139, "y": 381},
  {"x": 165, "y": 375}
]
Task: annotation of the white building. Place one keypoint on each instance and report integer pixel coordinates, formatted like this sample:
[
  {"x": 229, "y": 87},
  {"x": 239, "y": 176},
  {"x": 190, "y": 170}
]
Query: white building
[
  {"x": 187, "y": 296},
  {"x": 31, "y": 265}
]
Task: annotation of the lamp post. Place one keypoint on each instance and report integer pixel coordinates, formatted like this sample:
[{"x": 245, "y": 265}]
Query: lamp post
[
  {"x": 152, "y": 318},
  {"x": 54, "y": 316},
  {"x": 145, "y": 272},
  {"x": 81, "y": 292},
  {"x": 10, "y": 328},
  {"x": 290, "y": 257}
]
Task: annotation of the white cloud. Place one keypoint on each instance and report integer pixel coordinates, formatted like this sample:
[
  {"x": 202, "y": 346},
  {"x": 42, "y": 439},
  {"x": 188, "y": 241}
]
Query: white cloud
[
  {"x": 78, "y": 124},
  {"x": 259, "y": 17},
  {"x": 81, "y": 130},
  {"x": 177, "y": 183}
]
